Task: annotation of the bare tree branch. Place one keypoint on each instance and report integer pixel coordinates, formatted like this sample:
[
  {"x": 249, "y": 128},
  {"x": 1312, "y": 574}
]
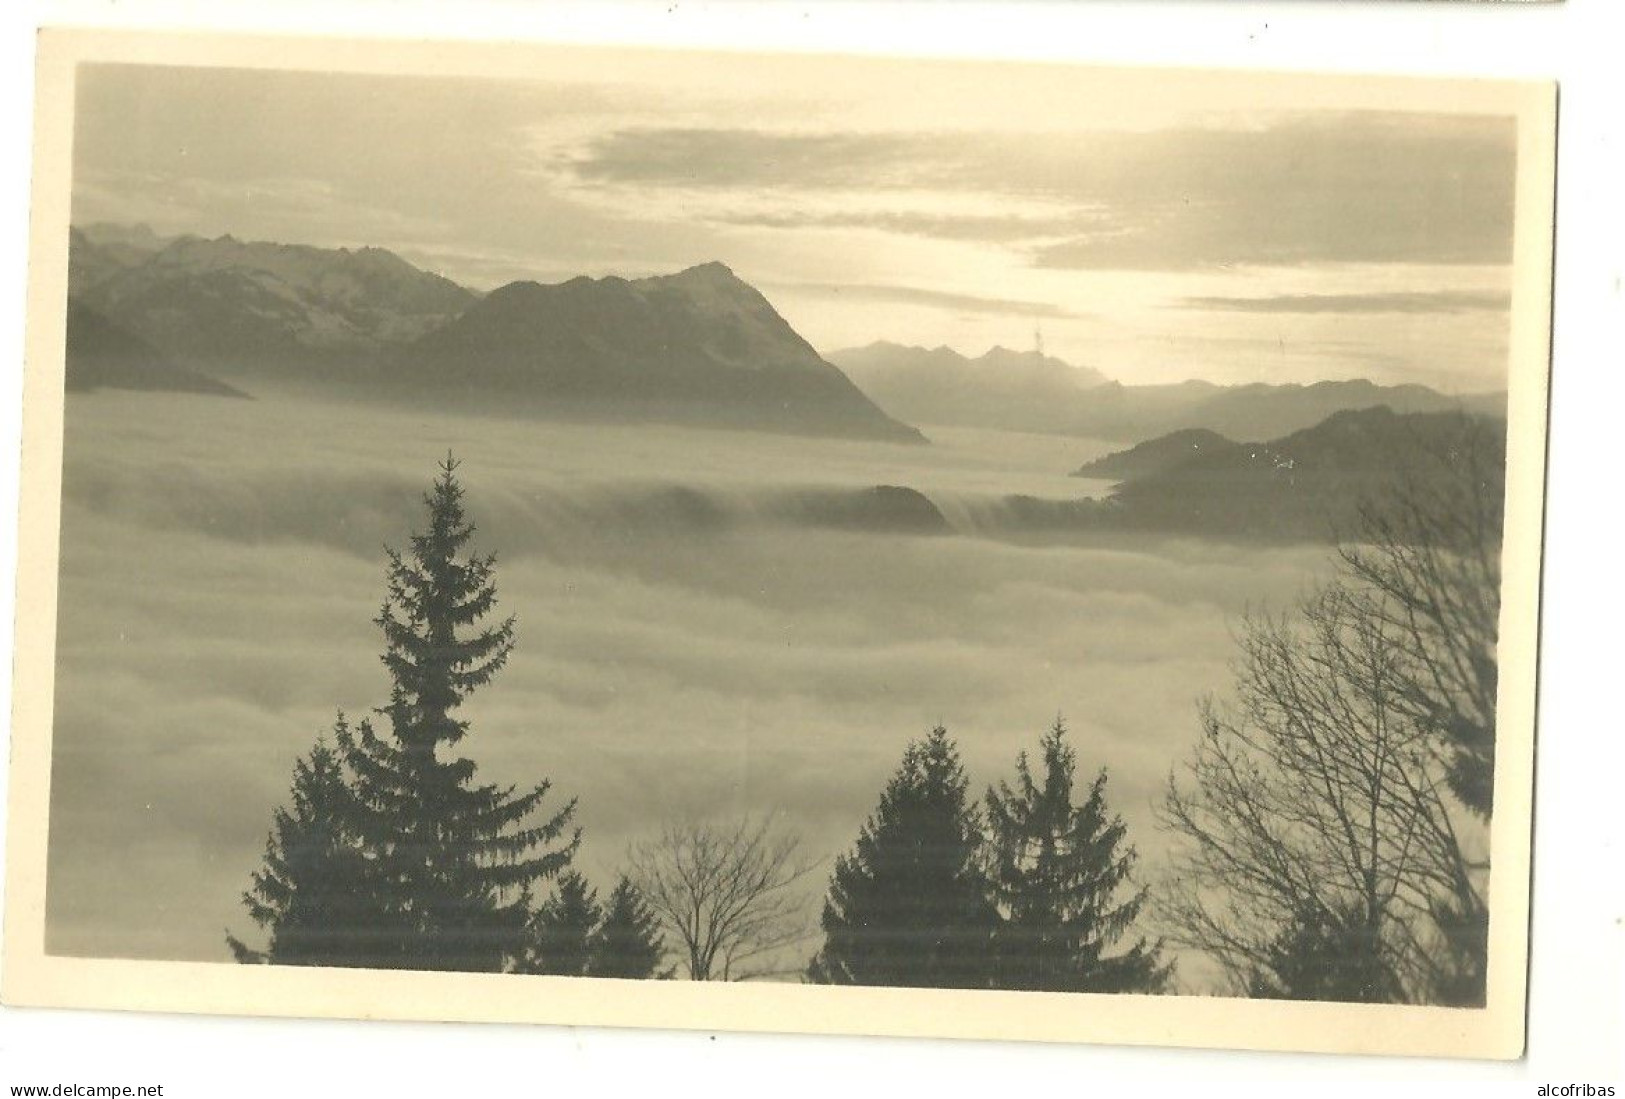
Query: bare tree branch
[
  {"x": 731, "y": 893},
  {"x": 1313, "y": 806},
  {"x": 1338, "y": 808}
]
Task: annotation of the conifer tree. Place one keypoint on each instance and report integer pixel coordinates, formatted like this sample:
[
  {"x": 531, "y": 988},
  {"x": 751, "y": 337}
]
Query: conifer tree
[
  {"x": 1056, "y": 870},
  {"x": 454, "y": 860},
  {"x": 627, "y": 943},
  {"x": 391, "y": 856},
  {"x": 308, "y": 896},
  {"x": 1324, "y": 955},
  {"x": 909, "y": 905},
  {"x": 562, "y": 930}
]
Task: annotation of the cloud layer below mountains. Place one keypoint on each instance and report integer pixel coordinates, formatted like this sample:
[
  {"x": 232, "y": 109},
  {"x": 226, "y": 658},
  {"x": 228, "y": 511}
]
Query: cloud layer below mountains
[{"x": 203, "y": 647}]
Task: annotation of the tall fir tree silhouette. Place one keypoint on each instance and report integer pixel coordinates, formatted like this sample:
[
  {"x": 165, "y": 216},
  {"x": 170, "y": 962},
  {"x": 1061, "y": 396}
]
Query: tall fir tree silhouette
[
  {"x": 440, "y": 867},
  {"x": 628, "y": 942},
  {"x": 457, "y": 859},
  {"x": 1056, "y": 870},
  {"x": 909, "y": 906}
]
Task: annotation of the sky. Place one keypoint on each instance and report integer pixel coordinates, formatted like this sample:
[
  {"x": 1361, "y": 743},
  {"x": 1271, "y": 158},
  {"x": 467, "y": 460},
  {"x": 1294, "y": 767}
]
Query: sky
[{"x": 1155, "y": 226}]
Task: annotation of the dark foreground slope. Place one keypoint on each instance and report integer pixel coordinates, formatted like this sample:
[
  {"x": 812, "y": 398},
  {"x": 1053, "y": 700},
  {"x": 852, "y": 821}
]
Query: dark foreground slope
[
  {"x": 1156, "y": 455},
  {"x": 1312, "y": 483},
  {"x": 102, "y": 354}
]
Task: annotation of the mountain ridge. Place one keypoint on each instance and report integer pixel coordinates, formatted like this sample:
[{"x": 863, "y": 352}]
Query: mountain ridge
[
  {"x": 1154, "y": 455},
  {"x": 1000, "y": 388},
  {"x": 697, "y": 346},
  {"x": 243, "y": 308},
  {"x": 924, "y": 386}
]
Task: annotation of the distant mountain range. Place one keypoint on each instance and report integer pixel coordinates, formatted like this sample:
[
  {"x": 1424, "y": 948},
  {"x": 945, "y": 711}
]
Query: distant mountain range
[
  {"x": 242, "y": 309},
  {"x": 1024, "y": 391},
  {"x": 1015, "y": 390},
  {"x": 701, "y": 346}
]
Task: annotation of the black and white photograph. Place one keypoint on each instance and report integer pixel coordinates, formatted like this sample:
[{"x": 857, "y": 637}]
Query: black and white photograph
[{"x": 547, "y": 533}]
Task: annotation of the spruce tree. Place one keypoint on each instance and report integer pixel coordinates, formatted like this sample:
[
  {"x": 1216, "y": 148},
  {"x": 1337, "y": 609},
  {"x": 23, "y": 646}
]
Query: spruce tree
[
  {"x": 391, "y": 856},
  {"x": 454, "y": 861},
  {"x": 1056, "y": 870},
  {"x": 909, "y": 906},
  {"x": 309, "y": 896},
  {"x": 1327, "y": 955},
  {"x": 562, "y": 930},
  {"x": 627, "y": 943}
]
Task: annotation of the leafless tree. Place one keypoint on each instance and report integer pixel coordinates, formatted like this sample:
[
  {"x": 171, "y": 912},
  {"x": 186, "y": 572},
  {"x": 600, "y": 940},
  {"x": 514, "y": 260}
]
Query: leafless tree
[
  {"x": 1334, "y": 817},
  {"x": 1429, "y": 549},
  {"x": 730, "y": 893},
  {"x": 1323, "y": 850}
]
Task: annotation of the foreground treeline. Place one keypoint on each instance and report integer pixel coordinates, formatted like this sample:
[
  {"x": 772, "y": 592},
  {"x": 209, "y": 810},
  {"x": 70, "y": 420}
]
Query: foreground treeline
[
  {"x": 1326, "y": 829},
  {"x": 1028, "y": 896}
]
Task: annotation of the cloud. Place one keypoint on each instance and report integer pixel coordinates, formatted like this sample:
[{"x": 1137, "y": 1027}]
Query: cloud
[
  {"x": 994, "y": 228},
  {"x": 915, "y": 295},
  {"x": 281, "y": 208},
  {"x": 698, "y": 157},
  {"x": 1361, "y": 187},
  {"x": 1440, "y": 301}
]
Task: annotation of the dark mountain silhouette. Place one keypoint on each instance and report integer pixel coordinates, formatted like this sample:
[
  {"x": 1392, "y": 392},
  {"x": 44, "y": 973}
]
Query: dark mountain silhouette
[
  {"x": 1015, "y": 390},
  {"x": 1155, "y": 455},
  {"x": 697, "y": 347},
  {"x": 102, "y": 354},
  {"x": 887, "y": 509},
  {"x": 700, "y": 346},
  {"x": 1306, "y": 486},
  {"x": 1309, "y": 484},
  {"x": 255, "y": 309},
  {"x": 1022, "y": 391}
]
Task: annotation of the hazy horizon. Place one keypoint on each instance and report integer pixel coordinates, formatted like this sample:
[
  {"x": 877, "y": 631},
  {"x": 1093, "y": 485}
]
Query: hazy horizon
[
  {"x": 1464, "y": 301},
  {"x": 1157, "y": 229}
]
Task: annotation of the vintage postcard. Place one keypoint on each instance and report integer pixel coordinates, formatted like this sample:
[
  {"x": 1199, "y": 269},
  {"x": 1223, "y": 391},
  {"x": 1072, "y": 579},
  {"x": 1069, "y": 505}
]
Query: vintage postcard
[{"x": 787, "y": 543}]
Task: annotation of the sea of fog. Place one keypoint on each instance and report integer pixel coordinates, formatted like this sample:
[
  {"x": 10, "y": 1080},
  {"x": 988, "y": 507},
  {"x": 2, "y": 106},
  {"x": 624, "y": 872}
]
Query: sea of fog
[{"x": 692, "y": 639}]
